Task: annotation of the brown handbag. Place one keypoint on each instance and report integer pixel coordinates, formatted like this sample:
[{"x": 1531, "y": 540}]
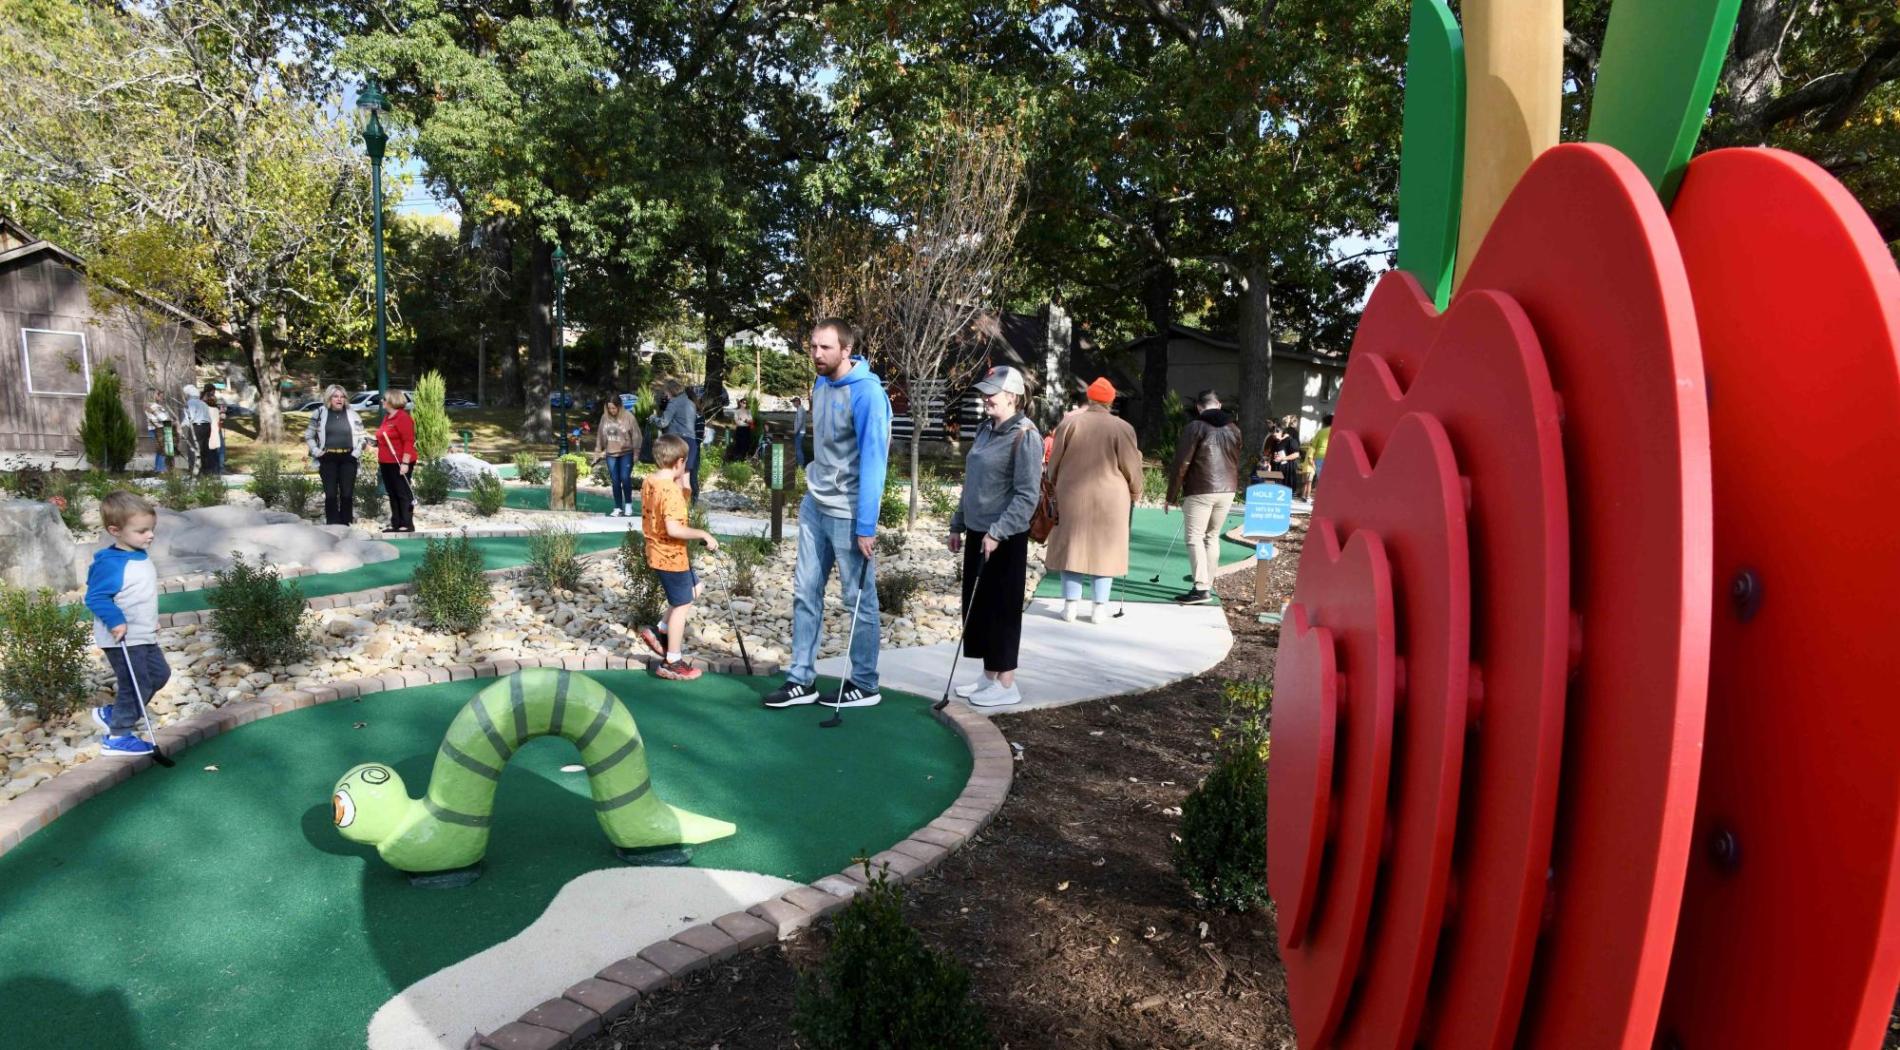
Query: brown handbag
[{"x": 1047, "y": 516}]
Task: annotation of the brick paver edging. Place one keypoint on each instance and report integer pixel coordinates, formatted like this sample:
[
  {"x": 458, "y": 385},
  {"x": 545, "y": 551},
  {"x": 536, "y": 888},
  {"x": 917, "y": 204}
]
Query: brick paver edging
[
  {"x": 585, "y": 1008},
  {"x": 375, "y": 594}
]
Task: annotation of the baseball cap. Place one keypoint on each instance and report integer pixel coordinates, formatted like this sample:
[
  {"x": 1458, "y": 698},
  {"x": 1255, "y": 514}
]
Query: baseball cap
[{"x": 1001, "y": 379}]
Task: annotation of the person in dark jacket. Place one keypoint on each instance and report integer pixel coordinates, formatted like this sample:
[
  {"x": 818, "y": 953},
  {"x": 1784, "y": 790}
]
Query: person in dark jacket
[
  {"x": 680, "y": 418},
  {"x": 1203, "y": 479}
]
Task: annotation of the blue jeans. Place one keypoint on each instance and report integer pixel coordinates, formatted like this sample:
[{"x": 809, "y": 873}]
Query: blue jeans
[
  {"x": 158, "y": 457},
  {"x": 148, "y": 663},
  {"x": 692, "y": 468},
  {"x": 824, "y": 541},
  {"x": 1072, "y": 586},
  {"x": 620, "y": 471}
]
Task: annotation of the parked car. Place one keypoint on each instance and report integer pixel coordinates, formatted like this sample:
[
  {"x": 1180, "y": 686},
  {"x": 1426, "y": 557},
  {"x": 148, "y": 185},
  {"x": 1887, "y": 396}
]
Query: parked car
[
  {"x": 308, "y": 406},
  {"x": 458, "y": 402},
  {"x": 561, "y": 399},
  {"x": 237, "y": 411},
  {"x": 367, "y": 399}
]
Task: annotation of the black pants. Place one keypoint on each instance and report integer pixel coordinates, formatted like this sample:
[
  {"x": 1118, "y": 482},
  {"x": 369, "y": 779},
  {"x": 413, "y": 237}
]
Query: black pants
[
  {"x": 338, "y": 471},
  {"x": 996, "y": 620},
  {"x": 402, "y": 498},
  {"x": 202, "y": 431}
]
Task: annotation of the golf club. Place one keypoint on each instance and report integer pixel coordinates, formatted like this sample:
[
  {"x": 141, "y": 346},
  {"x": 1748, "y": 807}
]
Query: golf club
[
  {"x": 1122, "y": 609},
  {"x": 837, "y": 707},
  {"x": 957, "y": 653},
  {"x": 743, "y": 655},
  {"x": 137, "y": 694},
  {"x": 1156, "y": 578}
]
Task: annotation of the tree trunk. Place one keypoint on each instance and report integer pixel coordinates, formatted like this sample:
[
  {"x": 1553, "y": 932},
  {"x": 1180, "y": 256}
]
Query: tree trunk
[
  {"x": 265, "y": 368},
  {"x": 1058, "y": 372},
  {"x": 481, "y": 366},
  {"x": 1256, "y": 362},
  {"x": 713, "y": 398},
  {"x": 1751, "y": 77},
  {"x": 1157, "y": 301},
  {"x": 537, "y": 422},
  {"x": 919, "y": 415}
]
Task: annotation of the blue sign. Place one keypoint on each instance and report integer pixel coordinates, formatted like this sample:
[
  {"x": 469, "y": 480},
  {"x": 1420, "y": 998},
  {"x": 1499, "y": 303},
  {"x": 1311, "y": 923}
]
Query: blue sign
[
  {"x": 1268, "y": 511},
  {"x": 1263, "y": 551},
  {"x": 627, "y": 401}
]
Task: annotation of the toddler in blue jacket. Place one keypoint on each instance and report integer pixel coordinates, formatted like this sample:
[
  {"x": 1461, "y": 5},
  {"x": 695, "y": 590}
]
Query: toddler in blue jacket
[{"x": 122, "y": 592}]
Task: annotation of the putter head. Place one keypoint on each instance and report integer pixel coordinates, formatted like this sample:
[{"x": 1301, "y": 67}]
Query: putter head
[
  {"x": 941, "y": 704},
  {"x": 836, "y": 720}
]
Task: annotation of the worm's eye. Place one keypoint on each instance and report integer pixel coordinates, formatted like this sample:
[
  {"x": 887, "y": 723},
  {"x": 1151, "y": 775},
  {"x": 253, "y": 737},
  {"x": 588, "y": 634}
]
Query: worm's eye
[
  {"x": 345, "y": 809},
  {"x": 375, "y": 775}
]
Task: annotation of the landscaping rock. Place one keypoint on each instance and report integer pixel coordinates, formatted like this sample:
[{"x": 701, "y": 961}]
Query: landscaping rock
[
  {"x": 205, "y": 540},
  {"x": 36, "y": 550},
  {"x": 464, "y": 469}
]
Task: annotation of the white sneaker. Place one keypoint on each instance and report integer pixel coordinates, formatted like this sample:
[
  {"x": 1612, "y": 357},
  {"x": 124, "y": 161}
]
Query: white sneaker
[
  {"x": 1101, "y": 614},
  {"x": 614, "y": 513},
  {"x": 970, "y": 689},
  {"x": 630, "y": 512},
  {"x": 997, "y": 695},
  {"x": 1068, "y": 612}
]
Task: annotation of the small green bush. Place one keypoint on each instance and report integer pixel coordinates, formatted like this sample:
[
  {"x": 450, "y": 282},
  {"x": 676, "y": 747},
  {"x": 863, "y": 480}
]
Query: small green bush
[
  {"x": 105, "y": 429},
  {"x": 369, "y": 497},
  {"x": 431, "y": 483},
  {"x": 42, "y": 653},
  {"x": 207, "y": 490},
  {"x": 893, "y": 511},
  {"x": 488, "y": 496},
  {"x": 258, "y": 616},
  {"x": 267, "y": 477},
  {"x": 698, "y": 517},
  {"x": 889, "y": 544},
  {"x": 894, "y": 590},
  {"x": 748, "y": 553},
  {"x": 431, "y": 419},
  {"x": 1154, "y": 485},
  {"x": 646, "y": 599},
  {"x": 68, "y": 496},
  {"x": 529, "y": 469},
  {"x": 175, "y": 492},
  {"x": 936, "y": 495},
  {"x": 297, "y": 492},
  {"x": 736, "y": 476},
  {"x": 98, "y": 484},
  {"x": 553, "y": 558},
  {"x": 450, "y": 588},
  {"x": 1222, "y": 854},
  {"x": 882, "y": 986},
  {"x": 28, "y": 482}
]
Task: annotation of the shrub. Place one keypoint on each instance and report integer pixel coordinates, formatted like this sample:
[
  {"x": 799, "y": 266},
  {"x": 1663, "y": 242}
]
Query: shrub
[
  {"x": 258, "y": 616},
  {"x": 1222, "y": 854},
  {"x": 450, "y": 587},
  {"x": 66, "y": 495},
  {"x": 1174, "y": 418},
  {"x": 936, "y": 495},
  {"x": 889, "y": 544},
  {"x": 42, "y": 653},
  {"x": 1154, "y": 484},
  {"x": 882, "y": 986},
  {"x": 748, "y": 553},
  {"x": 529, "y": 469},
  {"x": 298, "y": 490},
  {"x": 646, "y": 599},
  {"x": 267, "y": 477},
  {"x": 1244, "y": 722},
  {"x": 207, "y": 490},
  {"x": 99, "y": 485},
  {"x": 175, "y": 492},
  {"x": 736, "y": 476},
  {"x": 698, "y": 517},
  {"x": 431, "y": 483},
  {"x": 553, "y": 558},
  {"x": 432, "y": 420},
  {"x": 488, "y": 495},
  {"x": 105, "y": 430},
  {"x": 369, "y": 491},
  {"x": 582, "y": 466},
  {"x": 894, "y": 590},
  {"x": 29, "y": 482},
  {"x": 893, "y": 511}
]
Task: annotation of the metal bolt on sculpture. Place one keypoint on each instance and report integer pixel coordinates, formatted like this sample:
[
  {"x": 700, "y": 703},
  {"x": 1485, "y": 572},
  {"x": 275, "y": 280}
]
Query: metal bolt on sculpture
[{"x": 1582, "y": 726}]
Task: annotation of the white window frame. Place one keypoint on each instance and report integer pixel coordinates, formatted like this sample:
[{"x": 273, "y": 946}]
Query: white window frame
[{"x": 85, "y": 363}]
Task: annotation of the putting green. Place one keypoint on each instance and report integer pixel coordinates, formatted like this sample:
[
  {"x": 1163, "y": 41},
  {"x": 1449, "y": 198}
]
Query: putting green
[
  {"x": 187, "y": 908},
  {"x": 535, "y": 497},
  {"x": 1154, "y": 549},
  {"x": 498, "y": 552}
]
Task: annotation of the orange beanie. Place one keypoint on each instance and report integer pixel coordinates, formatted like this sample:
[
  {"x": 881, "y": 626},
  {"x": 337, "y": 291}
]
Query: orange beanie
[{"x": 1103, "y": 391}]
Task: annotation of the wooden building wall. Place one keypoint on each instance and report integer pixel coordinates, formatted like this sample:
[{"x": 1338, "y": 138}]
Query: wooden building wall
[{"x": 43, "y": 291}]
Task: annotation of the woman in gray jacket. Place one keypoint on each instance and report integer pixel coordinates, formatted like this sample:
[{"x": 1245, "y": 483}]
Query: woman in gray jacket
[
  {"x": 1002, "y": 480},
  {"x": 334, "y": 436}
]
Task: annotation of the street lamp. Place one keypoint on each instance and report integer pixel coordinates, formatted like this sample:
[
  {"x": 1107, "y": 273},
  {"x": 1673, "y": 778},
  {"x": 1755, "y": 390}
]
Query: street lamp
[
  {"x": 560, "y": 336},
  {"x": 370, "y": 103}
]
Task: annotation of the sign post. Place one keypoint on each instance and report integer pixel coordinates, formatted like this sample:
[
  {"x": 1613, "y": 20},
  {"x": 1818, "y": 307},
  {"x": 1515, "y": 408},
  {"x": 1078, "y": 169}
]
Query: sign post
[
  {"x": 777, "y": 485},
  {"x": 1268, "y": 513}
]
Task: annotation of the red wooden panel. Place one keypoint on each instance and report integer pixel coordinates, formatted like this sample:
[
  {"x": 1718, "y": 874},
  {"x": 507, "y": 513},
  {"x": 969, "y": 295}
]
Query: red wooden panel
[
  {"x": 1484, "y": 379},
  {"x": 1305, "y": 727},
  {"x": 1348, "y": 591},
  {"x": 1585, "y": 249},
  {"x": 1414, "y": 501},
  {"x": 1789, "y": 933}
]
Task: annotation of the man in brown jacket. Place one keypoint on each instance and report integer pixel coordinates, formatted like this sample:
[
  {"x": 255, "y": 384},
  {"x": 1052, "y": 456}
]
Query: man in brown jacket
[{"x": 1203, "y": 480}]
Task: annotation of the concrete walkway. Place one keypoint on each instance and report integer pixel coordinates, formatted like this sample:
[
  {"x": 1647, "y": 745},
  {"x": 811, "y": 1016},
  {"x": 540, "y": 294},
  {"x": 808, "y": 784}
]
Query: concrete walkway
[{"x": 1154, "y": 645}]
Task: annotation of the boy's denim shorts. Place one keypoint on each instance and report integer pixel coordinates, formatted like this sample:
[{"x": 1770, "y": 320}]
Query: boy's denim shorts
[{"x": 679, "y": 585}]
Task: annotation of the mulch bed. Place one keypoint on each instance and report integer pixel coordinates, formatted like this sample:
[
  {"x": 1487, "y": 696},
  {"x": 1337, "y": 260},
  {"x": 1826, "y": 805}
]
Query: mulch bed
[{"x": 1067, "y": 911}]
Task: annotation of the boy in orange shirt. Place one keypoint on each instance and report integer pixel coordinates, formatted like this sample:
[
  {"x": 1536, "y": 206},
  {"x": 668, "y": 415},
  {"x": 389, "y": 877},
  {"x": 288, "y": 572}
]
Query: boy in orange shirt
[{"x": 663, "y": 521}]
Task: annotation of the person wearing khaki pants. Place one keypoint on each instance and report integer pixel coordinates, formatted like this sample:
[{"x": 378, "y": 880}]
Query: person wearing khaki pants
[{"x": 1203, "y": 479}]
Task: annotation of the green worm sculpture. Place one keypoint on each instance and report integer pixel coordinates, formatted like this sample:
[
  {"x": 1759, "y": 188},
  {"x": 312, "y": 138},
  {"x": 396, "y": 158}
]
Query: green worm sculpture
[{"x": 447, "y": 829}]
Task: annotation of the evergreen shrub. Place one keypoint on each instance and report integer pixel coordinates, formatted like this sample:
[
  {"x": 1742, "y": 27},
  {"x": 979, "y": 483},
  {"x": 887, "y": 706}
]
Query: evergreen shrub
[
  {"x": 431, "y": 482},
  {"x": 450, "y": 588},
  {"x": 257, "y": 616},
  {"x": 488, "y": 495},
  {"x": 42, "y": 653},
  {"x": 105, "y": 429},
  {"x": 431, "y": 418}
]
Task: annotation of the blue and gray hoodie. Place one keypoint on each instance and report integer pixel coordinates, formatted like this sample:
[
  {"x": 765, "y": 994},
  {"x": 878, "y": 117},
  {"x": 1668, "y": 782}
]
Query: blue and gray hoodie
[
  {"x": 122, "y": 588},
  {"x": 851, "y": 442}
]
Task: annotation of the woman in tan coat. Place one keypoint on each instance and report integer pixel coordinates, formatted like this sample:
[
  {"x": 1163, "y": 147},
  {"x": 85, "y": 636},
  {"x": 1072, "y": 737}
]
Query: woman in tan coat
[{"x": 1096, "y": 468}]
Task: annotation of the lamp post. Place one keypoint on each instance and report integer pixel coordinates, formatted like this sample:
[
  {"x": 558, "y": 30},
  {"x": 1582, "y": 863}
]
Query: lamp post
[
  {"x": 560, "y": 336},
  {"x": 371, "y": 103}
]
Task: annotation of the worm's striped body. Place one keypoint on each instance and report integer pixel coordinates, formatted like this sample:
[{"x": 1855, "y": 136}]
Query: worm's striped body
[{"x": 448, "y": 827}]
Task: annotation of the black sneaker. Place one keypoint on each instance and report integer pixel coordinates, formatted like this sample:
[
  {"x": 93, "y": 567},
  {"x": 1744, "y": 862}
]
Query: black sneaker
[
  {"x": 853, "y": 696},
  {"x": 1193, "y": 597},
  {"x": 792, "y": 694}
]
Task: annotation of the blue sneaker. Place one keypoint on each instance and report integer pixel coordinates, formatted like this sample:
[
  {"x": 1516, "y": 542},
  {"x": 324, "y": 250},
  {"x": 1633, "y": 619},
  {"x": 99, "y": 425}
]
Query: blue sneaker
[
  {"x": 127, "y": 746},
  {"x": 103, "y": 716}
]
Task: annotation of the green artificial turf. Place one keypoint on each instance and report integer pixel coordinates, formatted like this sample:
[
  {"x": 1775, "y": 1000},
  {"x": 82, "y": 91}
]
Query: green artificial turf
[
  {"x": 498, "y": 552},
  {"x": 1154, "y": 548},
  {"x": 188, "y": 908}
]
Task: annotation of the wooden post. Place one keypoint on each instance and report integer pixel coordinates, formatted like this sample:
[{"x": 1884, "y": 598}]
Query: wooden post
[{"x": 562, "y": 480}]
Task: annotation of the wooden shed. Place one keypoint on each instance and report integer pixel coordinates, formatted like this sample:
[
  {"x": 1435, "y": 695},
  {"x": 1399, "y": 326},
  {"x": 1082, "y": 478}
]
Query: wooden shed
[{"x": 54, "y": 336}]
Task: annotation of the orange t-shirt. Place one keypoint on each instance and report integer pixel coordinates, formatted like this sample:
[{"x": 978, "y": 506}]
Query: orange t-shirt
[{"x": 661, "y": 501}]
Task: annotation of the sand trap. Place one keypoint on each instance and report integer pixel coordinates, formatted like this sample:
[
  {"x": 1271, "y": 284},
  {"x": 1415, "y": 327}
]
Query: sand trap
[{"x": 597, "y": 919}]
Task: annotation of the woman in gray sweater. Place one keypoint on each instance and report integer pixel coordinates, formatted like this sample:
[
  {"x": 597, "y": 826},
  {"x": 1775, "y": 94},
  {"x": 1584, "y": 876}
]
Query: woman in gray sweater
[{"x": 1002, "y": 480}]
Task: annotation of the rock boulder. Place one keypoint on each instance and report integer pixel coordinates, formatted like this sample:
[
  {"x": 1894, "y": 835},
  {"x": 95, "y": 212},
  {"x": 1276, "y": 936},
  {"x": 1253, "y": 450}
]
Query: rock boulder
[
  {"x": 464, "y": 469},
  {"x": 36, "y": 549}
]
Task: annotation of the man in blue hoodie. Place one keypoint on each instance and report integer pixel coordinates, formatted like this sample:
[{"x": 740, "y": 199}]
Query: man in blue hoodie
[{"x": 837, "y": 522}]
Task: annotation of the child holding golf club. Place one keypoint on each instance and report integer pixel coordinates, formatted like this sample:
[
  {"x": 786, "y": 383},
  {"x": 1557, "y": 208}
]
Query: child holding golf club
[
  {"x": 663, "y": 520},
  {"x": 122, "y": 593}
]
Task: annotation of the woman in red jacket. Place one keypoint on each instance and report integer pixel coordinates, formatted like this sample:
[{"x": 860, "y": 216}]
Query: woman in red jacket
[{"x": 396, "y": 457}]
